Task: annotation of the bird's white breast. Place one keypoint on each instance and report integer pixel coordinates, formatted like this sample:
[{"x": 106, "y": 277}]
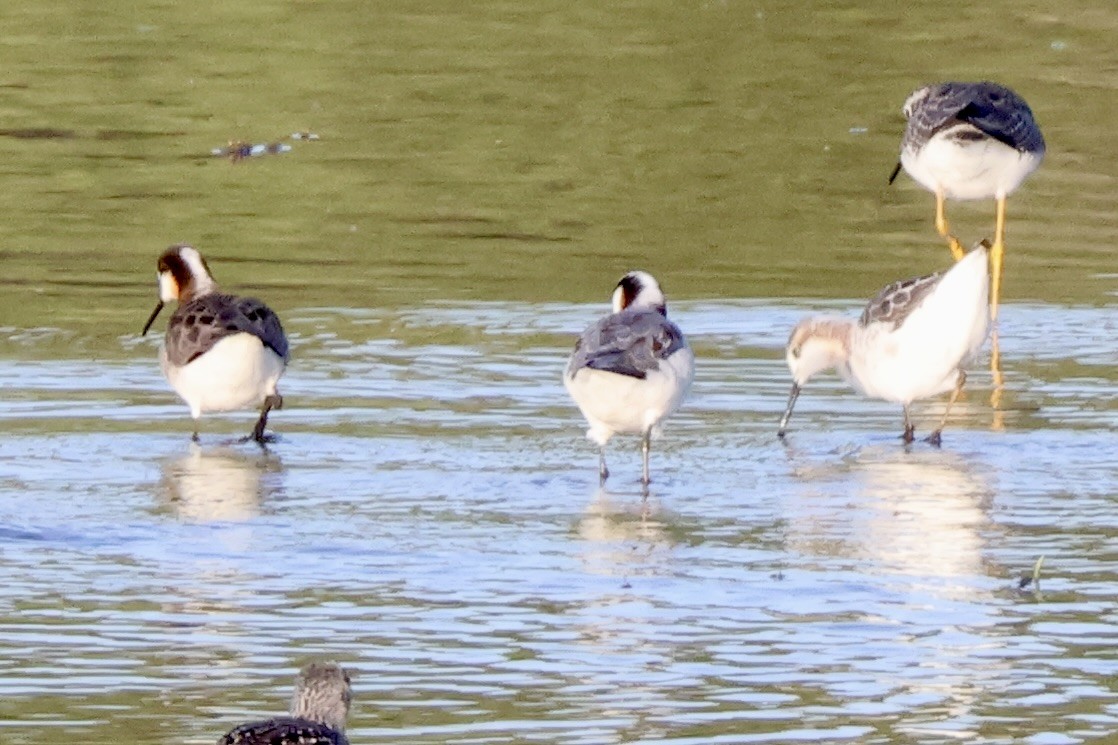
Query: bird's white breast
[
  {"x": 236, "y": 373},
  {"x": 922, "y": 357},
  {"x": 968, "y": 169},
  {"x": 614, "y": 403}
]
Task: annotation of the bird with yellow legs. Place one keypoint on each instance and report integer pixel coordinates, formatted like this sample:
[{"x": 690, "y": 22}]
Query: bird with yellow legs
[{"x": 966, "y": 141}]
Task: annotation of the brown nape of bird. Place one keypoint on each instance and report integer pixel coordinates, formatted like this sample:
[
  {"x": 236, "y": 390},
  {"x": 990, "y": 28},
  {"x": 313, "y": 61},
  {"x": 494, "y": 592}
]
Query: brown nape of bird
[
  {"x": 221, "y": 352},
  {"x": 319, "y": 709}
]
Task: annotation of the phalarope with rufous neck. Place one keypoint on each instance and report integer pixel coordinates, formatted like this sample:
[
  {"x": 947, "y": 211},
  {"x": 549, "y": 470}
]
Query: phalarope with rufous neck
[
  {"x": 631, "y": 369},
  {"x": 221, "y": 352}
]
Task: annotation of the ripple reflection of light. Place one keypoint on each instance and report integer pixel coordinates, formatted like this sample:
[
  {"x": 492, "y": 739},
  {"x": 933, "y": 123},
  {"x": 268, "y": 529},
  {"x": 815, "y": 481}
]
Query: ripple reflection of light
[
  {"x": 908, "y": 512},
  {"x": 217, "y": 485}
]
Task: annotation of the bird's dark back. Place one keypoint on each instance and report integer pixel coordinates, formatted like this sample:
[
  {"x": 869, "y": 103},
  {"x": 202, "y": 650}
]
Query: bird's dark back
[{"x": 284, "y": 731}]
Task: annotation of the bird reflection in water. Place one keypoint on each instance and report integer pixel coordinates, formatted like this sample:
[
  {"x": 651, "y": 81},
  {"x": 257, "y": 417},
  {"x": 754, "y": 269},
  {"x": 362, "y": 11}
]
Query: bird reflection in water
[
  {"x": 918, "y": 514},
  {"x": 220, "y": 484},
  {"x": 628, "y": 537}
]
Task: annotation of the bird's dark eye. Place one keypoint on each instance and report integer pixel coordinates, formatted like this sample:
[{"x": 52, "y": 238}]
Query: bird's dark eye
[{"x": 796, "y": 351}]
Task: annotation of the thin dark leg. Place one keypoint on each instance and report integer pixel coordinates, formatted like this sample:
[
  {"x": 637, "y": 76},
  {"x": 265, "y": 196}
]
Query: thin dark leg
[
  {"x": 645, "y": 446},
  {"x": 909, "y": 430},
  {"x": 274, "y": 401},
  {"x": 195, "y": 438},
  {"x": 603, "y": 472}
]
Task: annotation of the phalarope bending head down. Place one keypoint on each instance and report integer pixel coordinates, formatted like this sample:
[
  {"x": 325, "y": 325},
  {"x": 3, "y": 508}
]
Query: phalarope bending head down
[
  {"x": 631, "y": 369},
  {"x": 970, "y": 141},
  {"x": 910, "y": 342},
  {"x": 319, "y": 709},
  {"x": 221, "y": 352}
]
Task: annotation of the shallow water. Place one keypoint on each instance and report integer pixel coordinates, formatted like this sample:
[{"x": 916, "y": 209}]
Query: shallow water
[{"x": 431, "y": 516}]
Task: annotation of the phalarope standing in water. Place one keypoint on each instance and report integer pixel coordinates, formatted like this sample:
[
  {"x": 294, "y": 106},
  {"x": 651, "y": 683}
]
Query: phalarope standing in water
[
  {"x": 319, "y": 709},
  {"x": 910, "y": 342},
  {"x": 970, "y": 141},
  {"x": 221, "y": 352},
  {"x": 631, "y": 369}
]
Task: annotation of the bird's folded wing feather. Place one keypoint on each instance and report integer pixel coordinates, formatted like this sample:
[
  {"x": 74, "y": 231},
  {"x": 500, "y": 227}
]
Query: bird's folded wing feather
[
  {"x": 200, "y": 324},
  {"x": 627, "y": 343},
  {"x": 995, "y": 111},
  {"x": 284, "y": 731},
  {"x": 896, "y": 302}
]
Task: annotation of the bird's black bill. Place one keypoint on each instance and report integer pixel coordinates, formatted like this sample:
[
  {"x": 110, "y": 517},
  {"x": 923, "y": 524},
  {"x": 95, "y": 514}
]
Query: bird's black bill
[
  {"x": 788, "y": 412},
  {"x": 893, "y": 175},
  {"x": 151, "y": 320}
]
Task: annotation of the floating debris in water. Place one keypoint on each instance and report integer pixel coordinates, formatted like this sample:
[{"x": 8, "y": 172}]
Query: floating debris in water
[
  {"x": 1032, "y": 578},
  {"x": 238, "y": 150}
]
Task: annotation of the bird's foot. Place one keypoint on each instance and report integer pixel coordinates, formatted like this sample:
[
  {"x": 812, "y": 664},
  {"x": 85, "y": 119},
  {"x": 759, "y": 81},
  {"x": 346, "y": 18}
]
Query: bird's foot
[
  {"x": 909, "y": 434},
  {"x": 261, "y": 438},
  {"x": 934, "y": 439}
]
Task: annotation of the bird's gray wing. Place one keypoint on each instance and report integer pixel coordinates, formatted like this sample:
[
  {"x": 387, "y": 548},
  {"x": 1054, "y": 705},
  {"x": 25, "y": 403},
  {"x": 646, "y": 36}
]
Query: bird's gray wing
[
  {"x": 628, "y": 343},
  {"x": 201, "y": 323},
  {"x": 896, "y": 301},
  {"x": 1003, "y": 115},
  {"x": 284, "y": 731},
  {"x": 992, "y": 109}
]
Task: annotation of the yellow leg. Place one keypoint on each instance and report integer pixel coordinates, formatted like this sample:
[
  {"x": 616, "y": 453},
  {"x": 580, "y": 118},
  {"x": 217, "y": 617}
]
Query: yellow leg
[
  {"x": 934, "y": 437},
  {"x": 997, "y": 256},
  {"x": 998, "y": 422},
  {"x": 995, "y": 357},
  {"x": 945, "y": 230}
]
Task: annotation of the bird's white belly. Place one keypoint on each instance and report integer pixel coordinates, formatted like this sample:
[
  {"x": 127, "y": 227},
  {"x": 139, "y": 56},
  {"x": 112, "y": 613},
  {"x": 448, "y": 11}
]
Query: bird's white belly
[
  {"x": 901, "y": 372},
  {"x": 614, "y": 403},
  {"x": 922, "y": 357},
  {"x": 238, "y": 372},
  {"x": 968, "y": 169}
]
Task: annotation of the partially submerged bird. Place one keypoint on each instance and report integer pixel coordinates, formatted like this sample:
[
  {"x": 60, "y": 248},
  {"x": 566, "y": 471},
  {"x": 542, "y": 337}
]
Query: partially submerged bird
[
  {"x": 221, "y": 352},
  {"x": 319, "y": 709},
  {"x": 910, "y": 342},
  {"x": 970, "y": 141},
  {"x": 631, "y": 369}
]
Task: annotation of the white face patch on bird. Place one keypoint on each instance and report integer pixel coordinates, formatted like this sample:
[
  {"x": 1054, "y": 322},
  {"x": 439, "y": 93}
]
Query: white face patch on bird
[
  {"x": 183, "y": 275},
  {"x": 639, "y": 290},
  {"x": 816, "y": 344},
  {"x": 168, "y": 286}
]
